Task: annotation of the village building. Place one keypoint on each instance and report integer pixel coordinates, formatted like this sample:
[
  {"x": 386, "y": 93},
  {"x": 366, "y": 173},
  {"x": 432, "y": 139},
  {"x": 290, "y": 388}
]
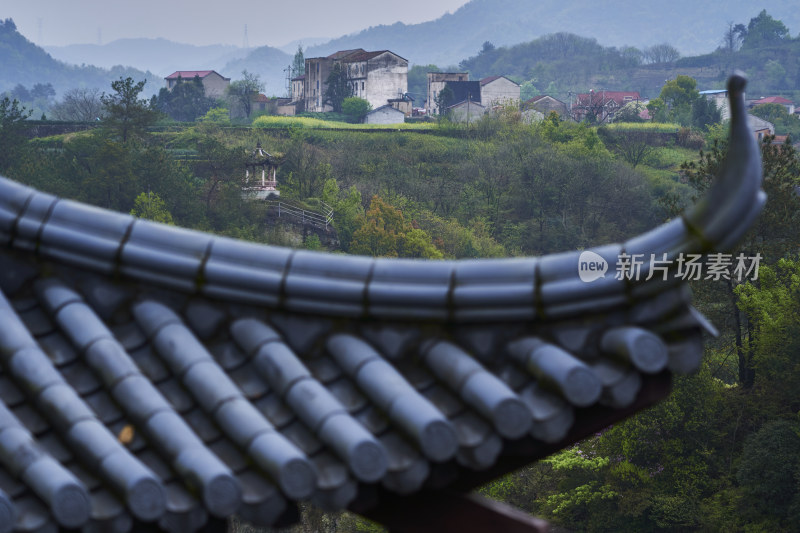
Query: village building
[
  {"x": 214, "y": 84},
  {"x": 377, "y": 77},
  {"x": 437, "y": 81},
  {"x": 386, "y": 114},
  {"x": 298, "y": 86},
  {"x": 545, "y": 105},
  {"x": 499, "y": 91},
  {"x": 403, "y": 103},
  {"x": 260, "y": 103},
  {"x": 760, "y": 127},
  {"x": 469, "y": 111},
  {"x": 780, "y": 100},
  {"x": 601, "y": 106}
]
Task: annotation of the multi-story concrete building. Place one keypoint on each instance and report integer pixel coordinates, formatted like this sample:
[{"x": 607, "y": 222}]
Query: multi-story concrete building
[
  {"x": 215, "y": 84},
  {"x": 377, "y": 77}
]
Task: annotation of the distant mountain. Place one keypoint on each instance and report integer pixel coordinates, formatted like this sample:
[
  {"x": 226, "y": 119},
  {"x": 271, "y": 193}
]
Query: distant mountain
[
  {"x": 691, "y": 26},
  {"x": 165, "y": 57},
  {"x": 22, "y": 62},
  {"x": 291, "y": 47},
  {"x": 269, "y": 63},
  {"x": 160, "y": 56}
]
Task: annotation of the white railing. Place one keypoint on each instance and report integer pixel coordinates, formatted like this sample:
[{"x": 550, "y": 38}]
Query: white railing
[{"x": 322, "y": 217}]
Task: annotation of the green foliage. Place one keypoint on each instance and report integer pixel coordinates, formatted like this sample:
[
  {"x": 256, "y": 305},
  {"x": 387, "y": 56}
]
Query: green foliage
[
  {"x": 337, "y": 88},
  {"x": 186, "y": 101},
  {"x": 216, "y": 115},
  {"x": 12, "y": 121},
  {"x": 126, "y": 115},
  {"x": 151, "y": 207},
  {"x": 763, "y": 30},
  {"x": 785, "y": 123},
  {"x": 384, "y": 232},
  {"x": 355, "y": 107},
  {"x": 768, "y": 472},
  {"x": 298, "y": 62}
]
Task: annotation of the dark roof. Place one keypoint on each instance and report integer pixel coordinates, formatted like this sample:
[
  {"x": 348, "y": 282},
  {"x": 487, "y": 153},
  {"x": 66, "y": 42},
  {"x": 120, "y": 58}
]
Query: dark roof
[
  {"x": 184, "y": 74},
  {"x": 490, "y": 79},
  {"x": 344, "y": 53},
  {"x": 155, "y": 375},
  {"x": 465, "y": 90}
]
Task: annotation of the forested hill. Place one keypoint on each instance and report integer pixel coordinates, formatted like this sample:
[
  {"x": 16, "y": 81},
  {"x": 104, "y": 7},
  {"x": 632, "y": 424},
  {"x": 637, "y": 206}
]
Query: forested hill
[
  {"x": 22, "y": 62},
  {"x": 692, "y": 27}
]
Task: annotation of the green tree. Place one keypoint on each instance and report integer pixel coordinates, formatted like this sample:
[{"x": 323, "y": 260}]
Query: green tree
[
  {"x": 355, "y": 107},
  {"x": 763, "y": 30},
  {"x": 444, "y": 100},
  {"x": 337, "y": 88},
  {"x": 186, "y": 101},
  {"x": 347, "y": 209},
  {"x": 298, "y": 62},
  {"x": 705, "y": 113},
  {"x": 12, "y": 122},
  {"x": 151, "y": 207},
  {"x": 384, "y": 232},
  {"x": 125, "y": 114},
  {"x": 242, "y": 93}
]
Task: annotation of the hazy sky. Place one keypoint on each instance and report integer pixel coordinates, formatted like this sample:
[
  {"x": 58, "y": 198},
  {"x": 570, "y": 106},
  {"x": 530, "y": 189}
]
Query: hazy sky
[{"x": 269, "y": 22}]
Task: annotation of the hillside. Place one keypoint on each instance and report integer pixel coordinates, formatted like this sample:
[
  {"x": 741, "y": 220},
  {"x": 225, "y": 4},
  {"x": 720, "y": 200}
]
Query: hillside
[
  {"x": 692, "y": 27},
  {"x": 160, "y": 56},
  {"x": 22, "y": 62},
  {"x": 265, "y": 61}
]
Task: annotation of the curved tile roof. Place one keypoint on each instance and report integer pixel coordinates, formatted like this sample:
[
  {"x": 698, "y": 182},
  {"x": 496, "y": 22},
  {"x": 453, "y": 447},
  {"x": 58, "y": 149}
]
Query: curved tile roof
[{"x": 156, "y": 376}]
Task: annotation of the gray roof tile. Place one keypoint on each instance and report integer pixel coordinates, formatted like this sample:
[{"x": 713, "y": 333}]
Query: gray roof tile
[{"x": 184, "y": 376}]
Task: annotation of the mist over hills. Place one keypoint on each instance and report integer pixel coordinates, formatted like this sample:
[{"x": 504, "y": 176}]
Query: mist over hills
[
  {"x": 160, "y": 56},
  {"x": 692, "y": 27},
  {"x": 22, "y": 62}
]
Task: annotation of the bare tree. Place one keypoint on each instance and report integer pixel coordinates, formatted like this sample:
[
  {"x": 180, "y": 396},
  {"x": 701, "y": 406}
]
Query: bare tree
[
  {"x": 243, "y": 92},
  {"x": 661, "y": 53},
  {"x": 80, "y": 105}
]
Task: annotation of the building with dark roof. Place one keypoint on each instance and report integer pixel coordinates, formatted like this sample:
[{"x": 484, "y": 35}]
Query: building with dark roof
[
  {"x": 437, "y": 82},
  {"x": 214, "y": 83},
  {"x": 376, "y": 77},
  {"x": 601, "y": 106},
  {"x": 156, "y": 378}
]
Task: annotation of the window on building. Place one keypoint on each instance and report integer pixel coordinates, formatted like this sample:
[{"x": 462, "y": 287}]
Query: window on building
[{"x": 362, "y": 85}]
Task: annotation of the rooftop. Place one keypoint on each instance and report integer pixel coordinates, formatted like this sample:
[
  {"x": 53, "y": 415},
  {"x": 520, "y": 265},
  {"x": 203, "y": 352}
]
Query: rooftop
[
  {"x": 192, "y": 73},
  {"x": 152, "y": 376}
]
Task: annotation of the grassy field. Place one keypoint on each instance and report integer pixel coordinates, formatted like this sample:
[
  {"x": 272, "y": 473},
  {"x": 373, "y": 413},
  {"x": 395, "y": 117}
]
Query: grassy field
[{"x": 281, "y": 122}]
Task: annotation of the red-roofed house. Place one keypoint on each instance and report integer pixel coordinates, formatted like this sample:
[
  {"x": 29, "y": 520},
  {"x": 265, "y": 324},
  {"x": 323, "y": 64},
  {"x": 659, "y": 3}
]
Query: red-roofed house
[
  {"x": 788, "y": 104},
  {"x": 214, "y": 83},
  {"x": 377, "y": 77},
  {"x": 601, "y": 106},
  {"x": 499, "y": 90}
]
